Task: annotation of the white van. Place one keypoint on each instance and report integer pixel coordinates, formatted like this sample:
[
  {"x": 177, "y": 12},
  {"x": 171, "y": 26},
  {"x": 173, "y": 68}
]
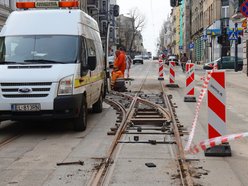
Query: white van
[{"x": 51, "y": 66}]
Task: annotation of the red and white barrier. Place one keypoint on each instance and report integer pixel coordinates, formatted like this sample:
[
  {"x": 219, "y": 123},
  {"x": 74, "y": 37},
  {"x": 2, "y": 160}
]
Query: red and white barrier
[
  {"x": 161, "y": 70},
  {"x": 190, "y": 83},
  {"x": 197, "y": 109},
  {"x": 217, "y": 105},
  {"x": 203, "y": 145},
  {"x": 172, "y": 77}
]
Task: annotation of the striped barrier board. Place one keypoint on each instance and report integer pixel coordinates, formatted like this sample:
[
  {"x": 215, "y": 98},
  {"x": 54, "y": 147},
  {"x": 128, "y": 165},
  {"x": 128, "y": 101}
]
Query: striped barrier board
[
  {"x": 217, "y": 113},
  {"x": 190, "y": 83},
  {"x": 198, "y": 105},
  {"x": 161, "y": 70},
  {"x": 172, "y": 76}
]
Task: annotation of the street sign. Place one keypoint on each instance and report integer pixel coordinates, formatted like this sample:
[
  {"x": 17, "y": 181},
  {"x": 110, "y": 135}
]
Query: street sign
[
  {"x": 233, "y": 36},
  {"x": 244, "y": 8},
  {"x": 191, "y": 45},
  {"x": 244, "y": 24},
  {"x": 204, "y": 37}
]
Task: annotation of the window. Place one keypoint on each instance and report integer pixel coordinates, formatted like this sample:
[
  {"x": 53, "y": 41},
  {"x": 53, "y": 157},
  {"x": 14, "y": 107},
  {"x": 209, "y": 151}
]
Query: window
[
  {"x": 104, "y": 6},
  {"x": 91, "y": 47},
  {"x": 83, "y": 51},
  {"x": 38, "y": 49}
]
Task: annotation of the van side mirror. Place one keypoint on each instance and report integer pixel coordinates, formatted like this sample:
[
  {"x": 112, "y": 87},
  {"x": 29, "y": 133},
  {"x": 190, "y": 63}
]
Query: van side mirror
[{"x": 92, "y": 62}]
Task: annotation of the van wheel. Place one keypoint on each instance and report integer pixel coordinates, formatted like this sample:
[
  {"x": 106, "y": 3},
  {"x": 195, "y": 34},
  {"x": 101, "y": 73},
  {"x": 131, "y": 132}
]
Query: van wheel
[
  {"x": 97, "y": 107},
  {"x": 80, "y": 123}
]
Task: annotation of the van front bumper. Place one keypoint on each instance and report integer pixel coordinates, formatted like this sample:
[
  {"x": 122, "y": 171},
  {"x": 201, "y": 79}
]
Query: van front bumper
[{"x": 65, "y": 107}]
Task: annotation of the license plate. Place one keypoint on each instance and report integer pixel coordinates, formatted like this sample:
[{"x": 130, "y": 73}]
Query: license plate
[{"x": 25, "y": 107}]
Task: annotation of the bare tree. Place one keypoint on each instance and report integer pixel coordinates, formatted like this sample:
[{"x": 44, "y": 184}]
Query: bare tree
[{"x": 138, "y": 23}]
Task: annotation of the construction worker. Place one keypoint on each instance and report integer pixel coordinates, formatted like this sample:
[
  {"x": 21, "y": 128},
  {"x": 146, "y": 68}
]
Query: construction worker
[
  {"x": 117, "y": 80},
  {"x": 120, "y": 60}
]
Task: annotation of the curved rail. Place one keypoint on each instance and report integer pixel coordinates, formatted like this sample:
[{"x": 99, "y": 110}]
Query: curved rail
[{"x": 182, "y": 164}]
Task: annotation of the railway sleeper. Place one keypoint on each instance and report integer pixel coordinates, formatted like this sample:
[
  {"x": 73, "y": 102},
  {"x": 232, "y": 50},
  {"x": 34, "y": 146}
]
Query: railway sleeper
[
  {"x": 111, "y": 133},
  {"x": 153, "y": 142}
]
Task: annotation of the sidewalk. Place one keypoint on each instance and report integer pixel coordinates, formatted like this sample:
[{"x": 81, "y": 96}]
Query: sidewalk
[{"x": 239, "y": 79}]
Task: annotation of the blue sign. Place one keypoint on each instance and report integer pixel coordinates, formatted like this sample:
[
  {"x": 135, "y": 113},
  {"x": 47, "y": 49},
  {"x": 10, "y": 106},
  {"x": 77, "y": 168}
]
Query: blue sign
[
  {"x": 204, "y": 37},
  {"x": 233, "y": 36},
  {"x": 191, "y": 45},
  {"x": 180, "y": 47}
]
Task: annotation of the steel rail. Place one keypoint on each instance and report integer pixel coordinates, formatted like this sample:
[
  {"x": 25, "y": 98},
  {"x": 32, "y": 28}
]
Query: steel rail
[
  {"x": 98, "y": 177},
  {"x": 8, "y": 140},
  {"x": 95, "y": 181},
  {"x": 182, "y": 163}
]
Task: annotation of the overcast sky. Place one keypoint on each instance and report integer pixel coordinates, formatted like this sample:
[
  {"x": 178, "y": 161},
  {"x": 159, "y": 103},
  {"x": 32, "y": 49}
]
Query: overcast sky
[{"x": 155, "y": 11}]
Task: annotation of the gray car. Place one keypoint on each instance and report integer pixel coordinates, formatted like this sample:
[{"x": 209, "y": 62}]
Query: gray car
[
  {"x": 138, "y": 59},
  {"x": 111, "y": 61}
]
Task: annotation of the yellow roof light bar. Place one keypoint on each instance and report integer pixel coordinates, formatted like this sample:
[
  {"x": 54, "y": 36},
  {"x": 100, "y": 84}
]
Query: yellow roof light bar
[{"x": 47, "y": 4}]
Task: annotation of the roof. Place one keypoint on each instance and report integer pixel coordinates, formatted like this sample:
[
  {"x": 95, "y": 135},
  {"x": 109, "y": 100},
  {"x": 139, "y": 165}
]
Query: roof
[{"x": 42, "y": 22}]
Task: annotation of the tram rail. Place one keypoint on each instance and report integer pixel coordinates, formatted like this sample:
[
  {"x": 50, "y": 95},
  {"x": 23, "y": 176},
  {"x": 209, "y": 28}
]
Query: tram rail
[{"x": 135, "y": 116}]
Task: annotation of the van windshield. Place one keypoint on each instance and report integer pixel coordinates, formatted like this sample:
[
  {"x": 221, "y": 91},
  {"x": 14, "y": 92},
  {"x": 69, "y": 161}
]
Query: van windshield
[{"x": 38, "y": 49}]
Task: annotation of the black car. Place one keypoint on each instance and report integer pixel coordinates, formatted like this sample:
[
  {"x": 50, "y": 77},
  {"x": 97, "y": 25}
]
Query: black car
[{"x": 227, "y": 63}]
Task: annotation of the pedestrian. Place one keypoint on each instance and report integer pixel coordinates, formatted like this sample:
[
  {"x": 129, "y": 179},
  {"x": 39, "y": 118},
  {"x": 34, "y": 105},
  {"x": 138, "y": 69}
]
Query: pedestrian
[
  {"x": 117, "y": 80},
  {"x": 120, "y": 60},
  {"x": 184, "y": 59},
  {"x": 128, "y": 66}
]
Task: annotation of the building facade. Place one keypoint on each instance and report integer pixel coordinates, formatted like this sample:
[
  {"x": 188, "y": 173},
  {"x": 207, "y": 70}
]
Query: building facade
[
  {"x": 197, "y": 31},
  {"x": 6, "y": 7}
]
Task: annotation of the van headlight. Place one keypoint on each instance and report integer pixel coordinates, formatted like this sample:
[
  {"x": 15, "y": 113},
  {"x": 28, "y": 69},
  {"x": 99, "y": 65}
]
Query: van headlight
[{"x": 66, "y": 86}]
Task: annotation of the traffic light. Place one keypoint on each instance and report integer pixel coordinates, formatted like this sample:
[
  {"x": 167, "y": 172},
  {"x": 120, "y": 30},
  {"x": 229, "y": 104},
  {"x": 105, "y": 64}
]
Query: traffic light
[
  {"x": 173, "y": 3},
  {"x": 223, "y": 38},
  {"x": 116, "y": 10},
  {"x": 219, "y": 39},
  {"x": 239, "y": 40}
]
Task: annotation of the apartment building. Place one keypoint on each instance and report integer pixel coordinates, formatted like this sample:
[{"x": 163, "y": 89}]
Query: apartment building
[
  {"x": 5, "y": 9},
  {"x": 175, "y": 14},
  {"x": 197, "y": 31}
]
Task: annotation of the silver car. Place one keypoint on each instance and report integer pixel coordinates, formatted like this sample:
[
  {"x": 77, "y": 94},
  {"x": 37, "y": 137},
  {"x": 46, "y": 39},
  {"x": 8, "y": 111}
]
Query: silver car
[
  {"x": 111, "y": 61},
  {"x": 138, "y": 59}
]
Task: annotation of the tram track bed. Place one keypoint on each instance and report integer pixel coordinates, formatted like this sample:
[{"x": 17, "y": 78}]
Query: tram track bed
[{"x": 143, "y": 133}]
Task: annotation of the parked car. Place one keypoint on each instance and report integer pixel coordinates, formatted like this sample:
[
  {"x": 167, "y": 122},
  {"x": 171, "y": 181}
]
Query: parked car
[
  {"x": 155, "y": 58},
  {"x": 227, "y": 63},
  {"x": 111, "y": 61},
  {"x": 138, "y": 59},
  {"x": 171, "y": 58},
  {"x": 145, "y": 56}
]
